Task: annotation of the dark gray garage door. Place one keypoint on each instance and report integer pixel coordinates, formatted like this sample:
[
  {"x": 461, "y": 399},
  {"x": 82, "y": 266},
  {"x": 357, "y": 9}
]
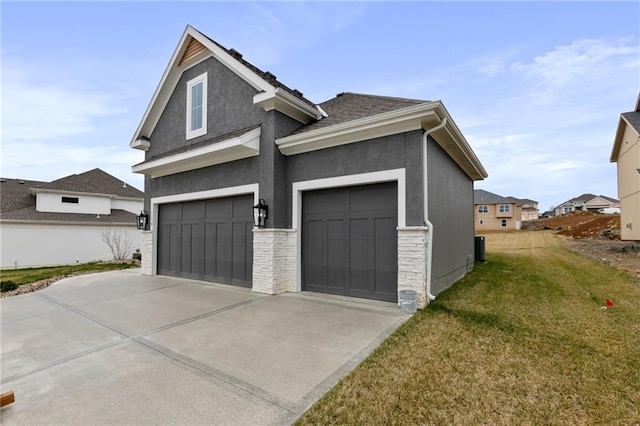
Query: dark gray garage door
[
  {"x": 349, "y": 241},
  {"x": 210, "y": 240}
]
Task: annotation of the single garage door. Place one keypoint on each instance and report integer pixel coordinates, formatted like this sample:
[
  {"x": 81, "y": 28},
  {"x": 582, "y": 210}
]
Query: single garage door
[
  {"x": 210, "y": 240},
  {"x": 349, "y": 241}
]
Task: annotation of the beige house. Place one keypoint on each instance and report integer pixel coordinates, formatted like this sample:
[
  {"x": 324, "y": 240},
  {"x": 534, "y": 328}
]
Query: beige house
[
  {"x": 529, "y": 209},
  {"x": 493, "y": 212},
  {"x": 626, "y": 152}
]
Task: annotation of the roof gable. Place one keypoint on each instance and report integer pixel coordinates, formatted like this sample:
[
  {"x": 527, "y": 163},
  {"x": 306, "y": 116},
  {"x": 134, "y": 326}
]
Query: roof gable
[
  {"x": 631, "y": 119},
  {"x": 193, "y": 48}
]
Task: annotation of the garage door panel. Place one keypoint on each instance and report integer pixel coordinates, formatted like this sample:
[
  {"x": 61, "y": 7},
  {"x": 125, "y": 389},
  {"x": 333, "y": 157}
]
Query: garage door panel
[
  {"x": 314, "y": 252},
  {"x": 350, "y": 241},
  {"x": 336, "y": 254},
  {"x": 364, "y": 199},
  {"x": 207, "y": 239},
  {"x": 210, "y": 240}
]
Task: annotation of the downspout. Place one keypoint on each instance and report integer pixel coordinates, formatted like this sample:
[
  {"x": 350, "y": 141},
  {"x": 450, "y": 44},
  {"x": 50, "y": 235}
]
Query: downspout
[{"x": 425, "y": 136}]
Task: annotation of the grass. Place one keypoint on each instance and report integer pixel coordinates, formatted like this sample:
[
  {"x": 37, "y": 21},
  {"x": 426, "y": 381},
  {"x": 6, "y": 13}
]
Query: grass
[
  {"x": 31, "y": 275},
  {"x": 522, "y": 339}
]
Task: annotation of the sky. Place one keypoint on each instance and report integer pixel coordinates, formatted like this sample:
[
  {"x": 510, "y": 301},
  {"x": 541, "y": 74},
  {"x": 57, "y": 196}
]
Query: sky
[{"x": 536, "y": 88}]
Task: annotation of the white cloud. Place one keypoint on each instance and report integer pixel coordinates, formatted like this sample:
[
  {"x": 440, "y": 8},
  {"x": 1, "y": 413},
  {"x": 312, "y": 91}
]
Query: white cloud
[
  {"x": 34, "y": 110},
  {"x": 581, "y": 67},
  {"x": 280, "y": 29},
  {"x": 54, "y": 129}
]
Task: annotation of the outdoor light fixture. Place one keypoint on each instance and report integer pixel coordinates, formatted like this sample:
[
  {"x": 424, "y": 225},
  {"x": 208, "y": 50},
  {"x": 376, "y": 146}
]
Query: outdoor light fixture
[
  {"x": 260, "y": 213},
  {"x": 143, "y": 220}
]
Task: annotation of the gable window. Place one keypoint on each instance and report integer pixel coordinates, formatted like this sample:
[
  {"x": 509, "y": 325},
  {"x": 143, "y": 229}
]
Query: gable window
[
  {"x": 197, "y": 106},
  {"x": 504, "y": 222},
  {"x": 483, "y": 209},
  {"x": 504, "y": 208},
  {"x": 71, "y": 200}
]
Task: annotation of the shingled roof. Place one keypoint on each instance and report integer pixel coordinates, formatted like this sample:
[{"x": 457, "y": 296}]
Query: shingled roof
[
  {"x": 94, "y": 181},
  {"x": 19, "y": 203},
  {"x": 349, "y": 106},
  {"x": 480, "y": 196},
  {"x": 266, "y": 75}
]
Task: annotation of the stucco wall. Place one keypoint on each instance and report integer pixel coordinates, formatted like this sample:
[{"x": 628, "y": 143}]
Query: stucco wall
[
  {"x": 32, "y": 244},
  {"x": 387, "y": 153},
  {"x": 229, "y": 108},
  {"x": 450, "y": 193},
  {"x": 127, "y": 205},
  {"x": 87, "y": 204},
  {"x": 492, "y": 220}
]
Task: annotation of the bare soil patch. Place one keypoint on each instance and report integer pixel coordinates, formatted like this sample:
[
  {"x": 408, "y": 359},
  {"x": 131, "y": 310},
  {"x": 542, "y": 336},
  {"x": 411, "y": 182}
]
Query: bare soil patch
[
  {"x": 594, "y": 235},
  {"x": 619, "y": 254}
]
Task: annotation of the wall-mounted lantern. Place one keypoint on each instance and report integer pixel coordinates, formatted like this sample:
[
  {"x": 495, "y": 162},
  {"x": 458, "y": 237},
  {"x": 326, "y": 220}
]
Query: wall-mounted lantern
[
  {"x": 143, "y": 220},
  {"x": 260, "y": 211}
]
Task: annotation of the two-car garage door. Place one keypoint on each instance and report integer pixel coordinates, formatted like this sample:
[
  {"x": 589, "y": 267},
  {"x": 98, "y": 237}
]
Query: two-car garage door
[
  {"x": 210, "y": 240},
  {"x": 349, "y": 241}
]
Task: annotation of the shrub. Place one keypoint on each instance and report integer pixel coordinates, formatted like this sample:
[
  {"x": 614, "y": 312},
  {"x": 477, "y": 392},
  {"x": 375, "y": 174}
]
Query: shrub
[{"x": 8, "y": 286}]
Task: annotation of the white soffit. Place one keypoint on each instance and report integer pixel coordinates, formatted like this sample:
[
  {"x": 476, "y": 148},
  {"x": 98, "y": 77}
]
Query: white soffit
[{"x": 243, "y": 146}]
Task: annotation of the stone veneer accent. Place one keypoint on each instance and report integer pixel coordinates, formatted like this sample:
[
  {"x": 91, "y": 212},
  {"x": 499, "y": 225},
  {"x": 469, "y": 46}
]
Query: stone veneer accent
[
  {"x": 147, "y": 253},
  {"x": 274, "y": 260},
  {"x": 412, "y": 261}
]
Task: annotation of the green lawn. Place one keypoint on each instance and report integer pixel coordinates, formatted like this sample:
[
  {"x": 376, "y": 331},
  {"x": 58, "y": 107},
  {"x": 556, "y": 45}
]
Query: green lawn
[
  {"x": 30, "y": 275},
  {"x": 522, "y": 339}
]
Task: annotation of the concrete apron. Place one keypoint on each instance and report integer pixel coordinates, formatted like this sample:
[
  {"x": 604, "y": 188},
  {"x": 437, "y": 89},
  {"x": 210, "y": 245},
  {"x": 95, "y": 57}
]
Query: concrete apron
[{"x": 123, "y": 348}]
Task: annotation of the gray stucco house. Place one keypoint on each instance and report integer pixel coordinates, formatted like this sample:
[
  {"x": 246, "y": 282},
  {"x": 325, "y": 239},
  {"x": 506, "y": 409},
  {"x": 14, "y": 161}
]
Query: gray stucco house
[{"x": 367, "y": 195}]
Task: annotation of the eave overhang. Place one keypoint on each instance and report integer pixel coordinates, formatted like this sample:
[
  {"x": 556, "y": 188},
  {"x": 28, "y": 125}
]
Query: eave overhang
[
  {"x": 236, "y": 148},
  {"x": 423, "y": 116},
  {"x": 286, "y": 103},
  {"x": 269, "y": 96}
]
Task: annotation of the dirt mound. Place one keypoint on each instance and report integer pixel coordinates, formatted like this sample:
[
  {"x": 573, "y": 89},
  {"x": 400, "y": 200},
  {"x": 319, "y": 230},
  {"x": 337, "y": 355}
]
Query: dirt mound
[{"x": 580, "y": 225}]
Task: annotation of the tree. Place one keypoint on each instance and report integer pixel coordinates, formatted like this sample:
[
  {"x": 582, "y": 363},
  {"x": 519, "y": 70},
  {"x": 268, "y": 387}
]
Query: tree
[{"x": 119, "y": 242}]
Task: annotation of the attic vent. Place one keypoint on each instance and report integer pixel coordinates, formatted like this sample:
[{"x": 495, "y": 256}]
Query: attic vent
[
  {"x": 193, "y": 49},
  {"x": 297, "y": 92},
  {"x": 235, "y": 54},
  {"x": 269, "y": 76}
]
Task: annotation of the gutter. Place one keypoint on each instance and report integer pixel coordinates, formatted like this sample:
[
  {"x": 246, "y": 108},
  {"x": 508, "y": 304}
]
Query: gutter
[{"x": 425, "y": 182}]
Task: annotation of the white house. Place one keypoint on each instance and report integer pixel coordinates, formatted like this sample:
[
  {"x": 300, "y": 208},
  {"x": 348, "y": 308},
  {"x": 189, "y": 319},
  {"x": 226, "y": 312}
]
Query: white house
[
  {"x": 64, "y": 222},
  {"x": 587, "y": 202}
]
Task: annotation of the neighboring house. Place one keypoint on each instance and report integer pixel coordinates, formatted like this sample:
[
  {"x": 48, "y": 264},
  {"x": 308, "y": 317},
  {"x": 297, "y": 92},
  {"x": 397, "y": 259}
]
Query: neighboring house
[
  {"x": 529, "y": 209},
  {"x": 626, "y": 152},
  {"x": 366, "y": 195},
  {"x": 587, "y": 202},
  {"x": 493, "y": 212},
  {"x": 63, "y": 222}
]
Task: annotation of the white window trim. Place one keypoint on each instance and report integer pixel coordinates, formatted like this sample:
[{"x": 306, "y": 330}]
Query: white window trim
[
  {"x": 483, "y": 208},
  {"x": 507, "y": 208},
  {"x": 395, "y": 175},
  {"x": 202, "y": 78},
  {"x": 252, "y": 188}
]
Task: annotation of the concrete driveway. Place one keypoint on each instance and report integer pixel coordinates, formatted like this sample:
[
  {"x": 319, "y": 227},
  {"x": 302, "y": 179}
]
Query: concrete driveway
[{"x": 123, "y": 348}]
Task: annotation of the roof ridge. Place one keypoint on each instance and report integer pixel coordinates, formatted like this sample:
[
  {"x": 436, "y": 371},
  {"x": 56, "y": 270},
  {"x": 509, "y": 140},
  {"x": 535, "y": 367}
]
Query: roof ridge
[{"x": 381, "y": 97}]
